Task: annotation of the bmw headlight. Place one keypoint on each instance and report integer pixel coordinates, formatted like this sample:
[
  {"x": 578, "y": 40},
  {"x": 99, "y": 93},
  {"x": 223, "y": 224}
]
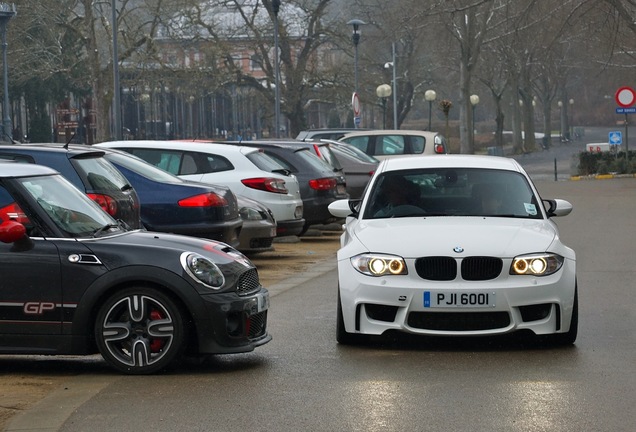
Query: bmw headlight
[
  {"x": 379, "y": 265},
  {"x": 536, "y": 265},
  {"x": 202, "y": 270}
]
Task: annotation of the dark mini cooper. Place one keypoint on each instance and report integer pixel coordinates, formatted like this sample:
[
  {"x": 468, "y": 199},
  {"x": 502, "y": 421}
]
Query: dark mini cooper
[{"x": 76, "y": 281}]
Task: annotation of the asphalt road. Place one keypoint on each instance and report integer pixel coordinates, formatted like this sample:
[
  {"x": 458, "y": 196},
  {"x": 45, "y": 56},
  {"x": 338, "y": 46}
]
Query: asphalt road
[{"x": 303, "y": 380}]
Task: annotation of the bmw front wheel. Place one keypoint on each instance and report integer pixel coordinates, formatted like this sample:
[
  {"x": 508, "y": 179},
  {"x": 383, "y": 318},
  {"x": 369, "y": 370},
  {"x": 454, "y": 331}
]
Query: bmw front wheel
[{"x": 140, "y": 331}]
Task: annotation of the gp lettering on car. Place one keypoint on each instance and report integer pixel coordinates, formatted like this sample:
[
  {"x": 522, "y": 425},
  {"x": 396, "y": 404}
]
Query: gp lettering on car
[{"x": 38, "y": 308}]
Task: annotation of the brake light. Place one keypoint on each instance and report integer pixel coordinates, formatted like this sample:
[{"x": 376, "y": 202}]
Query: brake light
[
  {"x": 323, "y": 183},
  {"x": 107, "y": 204},
  {"x": 439, "y": 149},
  {"x": 209, "y": 199},
  {"x": 13, "y": 212},
  {"x": 267, "y": 184},
  {"x": 317, "y": 149}
]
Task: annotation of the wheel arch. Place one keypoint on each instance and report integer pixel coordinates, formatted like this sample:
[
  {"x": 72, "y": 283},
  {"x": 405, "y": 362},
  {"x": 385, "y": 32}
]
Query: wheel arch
[{"x": 183, "y": 294}]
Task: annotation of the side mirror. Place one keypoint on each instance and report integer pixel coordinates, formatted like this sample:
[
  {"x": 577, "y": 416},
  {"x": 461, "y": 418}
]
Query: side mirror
[
  {"x": 11, "y": 231},
  {"x": 557, "y": 207},
  {"x": 345, "y": 208}
]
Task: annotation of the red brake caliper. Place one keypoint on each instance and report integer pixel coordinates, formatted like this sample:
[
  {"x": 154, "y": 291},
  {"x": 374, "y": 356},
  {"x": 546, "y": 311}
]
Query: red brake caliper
[{"x": 156, "y": 344}]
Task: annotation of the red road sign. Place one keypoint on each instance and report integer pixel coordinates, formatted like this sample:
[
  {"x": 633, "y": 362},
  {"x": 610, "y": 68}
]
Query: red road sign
[
  {"x": 625, "y": 97},
  {"x": 355, "y": 104}
]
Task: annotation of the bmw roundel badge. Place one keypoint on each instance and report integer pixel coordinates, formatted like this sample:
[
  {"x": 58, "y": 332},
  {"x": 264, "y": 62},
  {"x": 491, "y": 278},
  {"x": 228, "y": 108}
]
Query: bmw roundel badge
[{"x": 458, "y": 249}]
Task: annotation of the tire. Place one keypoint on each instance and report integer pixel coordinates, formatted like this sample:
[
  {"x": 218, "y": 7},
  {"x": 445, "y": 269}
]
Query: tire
[
  {"x": 342, "y": 336},
  {"x": 562, "y": 339},
  {"x": 140, "y": 331}
]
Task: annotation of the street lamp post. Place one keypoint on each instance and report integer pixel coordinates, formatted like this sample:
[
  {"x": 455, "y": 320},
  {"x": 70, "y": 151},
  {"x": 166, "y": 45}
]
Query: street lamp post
[
  {"x": 355, "y": 37},
  {"x": 560, "y": 105},
  {"x": 275, "y": 10},
  {"x": 571, "y": 116},
  {"x": 430, "y": 96},
  {"x": 393, "y": 65},
  {"x": 474, "y": 100},
  {"x": 383, "y": 91},
  {"x": 116, "y": 90},
  {"x": 6, "y": 13}
]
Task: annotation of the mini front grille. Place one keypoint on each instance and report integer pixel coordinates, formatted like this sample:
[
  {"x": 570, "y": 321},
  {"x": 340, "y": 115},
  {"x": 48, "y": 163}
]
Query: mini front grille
[
  {"x": 481, "y": 268},
  {"x": 248, "y": 283},
  {"x": 436, "y": 268},
  {"x": 257, "y": 325},
  {"x": 459, "y": 321}
]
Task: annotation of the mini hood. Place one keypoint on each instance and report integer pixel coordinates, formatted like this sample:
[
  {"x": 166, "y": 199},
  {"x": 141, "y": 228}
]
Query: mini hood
[
  {"x": 435, "y": 236},
  {"x": 147, "y": 247}
]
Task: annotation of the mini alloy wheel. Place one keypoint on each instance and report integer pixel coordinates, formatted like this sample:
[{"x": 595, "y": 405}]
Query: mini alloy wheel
[{"x": 140, "y": 331}]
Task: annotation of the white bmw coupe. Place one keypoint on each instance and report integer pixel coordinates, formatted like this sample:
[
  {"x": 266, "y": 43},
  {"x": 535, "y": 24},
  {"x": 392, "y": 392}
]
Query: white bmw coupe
[{"x": 454, "y": 246}]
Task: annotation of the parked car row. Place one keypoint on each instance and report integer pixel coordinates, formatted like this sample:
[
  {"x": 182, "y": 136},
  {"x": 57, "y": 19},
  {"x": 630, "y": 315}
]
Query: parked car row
[
  {"x": 290, "y": 179},
  {"x": 246, "y": 171}
]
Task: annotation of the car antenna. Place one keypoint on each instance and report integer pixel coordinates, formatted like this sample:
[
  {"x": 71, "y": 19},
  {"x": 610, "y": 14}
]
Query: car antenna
[{"x": 69, "y": 141}]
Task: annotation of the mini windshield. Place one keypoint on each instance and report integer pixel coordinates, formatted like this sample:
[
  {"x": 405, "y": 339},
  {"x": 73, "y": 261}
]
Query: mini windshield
[
  {"x": 452, "y": 192},
  {"x": 71, "y": 210}
]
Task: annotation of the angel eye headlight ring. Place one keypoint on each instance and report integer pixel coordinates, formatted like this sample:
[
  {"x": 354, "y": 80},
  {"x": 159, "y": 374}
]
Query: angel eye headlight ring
[
  {"x": 379, "y": 264},
  {"x": 536, "y": 265}
]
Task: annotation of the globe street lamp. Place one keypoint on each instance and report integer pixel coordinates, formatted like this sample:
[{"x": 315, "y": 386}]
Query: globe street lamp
[
  {"x": 474, "y": 100},
  {"x": 6, "y": 13},
  {"x": 383, "y": 91},
  {"x": 430, "y": 96}
]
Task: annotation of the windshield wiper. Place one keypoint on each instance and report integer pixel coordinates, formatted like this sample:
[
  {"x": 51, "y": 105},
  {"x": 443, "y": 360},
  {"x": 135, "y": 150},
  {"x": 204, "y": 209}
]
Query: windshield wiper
[{"x": 105, "y": 228}]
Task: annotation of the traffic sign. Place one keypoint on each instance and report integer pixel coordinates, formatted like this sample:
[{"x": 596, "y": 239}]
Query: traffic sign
[
  {"x": 355, "y": 104},
  {"x": 615, "y": 138},
  {"x": 625, "y": 97},
  {"x": 626, "y": 110}
]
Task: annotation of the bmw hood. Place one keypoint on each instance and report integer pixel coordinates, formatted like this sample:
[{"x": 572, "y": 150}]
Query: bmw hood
[{"x": 471, "y": 236}]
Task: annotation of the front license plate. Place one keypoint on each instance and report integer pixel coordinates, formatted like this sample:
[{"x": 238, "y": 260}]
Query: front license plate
[
  {"x": 262, "y": 302},
  {"x": 458, "y": 299}
]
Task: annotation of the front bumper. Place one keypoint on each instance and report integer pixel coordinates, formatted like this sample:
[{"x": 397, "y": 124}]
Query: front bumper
[
  {"x": 233, "y": 323},
  {"x": 374, "y": 305}
]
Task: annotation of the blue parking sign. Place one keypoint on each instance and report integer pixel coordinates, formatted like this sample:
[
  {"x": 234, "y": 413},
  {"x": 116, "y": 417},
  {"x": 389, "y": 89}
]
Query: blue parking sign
[{"x": 615, "y": 138}]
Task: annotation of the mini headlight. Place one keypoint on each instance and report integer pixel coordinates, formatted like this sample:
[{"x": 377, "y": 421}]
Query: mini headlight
[
  {"x": 202, "y": 270},
  {"x": 536, "y": 265},
  {"x": 379, "y": 265}
]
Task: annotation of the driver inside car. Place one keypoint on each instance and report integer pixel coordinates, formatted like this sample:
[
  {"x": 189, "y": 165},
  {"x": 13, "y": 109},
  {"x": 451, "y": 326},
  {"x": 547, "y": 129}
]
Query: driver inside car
[{"x": 395, "y": 191}]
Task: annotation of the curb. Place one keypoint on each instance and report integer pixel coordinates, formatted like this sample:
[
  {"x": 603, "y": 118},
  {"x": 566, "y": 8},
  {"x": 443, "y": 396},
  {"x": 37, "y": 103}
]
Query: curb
[{"x": 602, "y": 177}]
